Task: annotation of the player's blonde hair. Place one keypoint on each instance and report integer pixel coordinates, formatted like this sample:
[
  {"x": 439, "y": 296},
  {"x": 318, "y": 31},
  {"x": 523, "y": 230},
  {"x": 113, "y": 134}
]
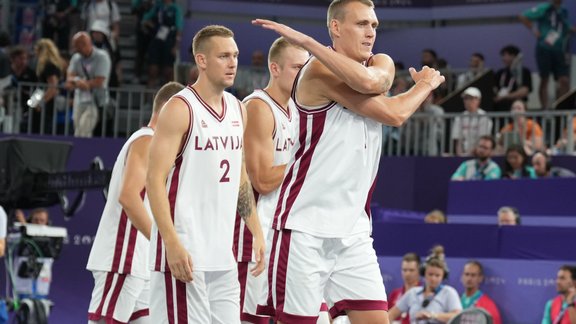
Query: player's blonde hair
[
  {"x": 204, "y": 34},
  {"x": 336, "y": 10},
  {"x": 277, "y": 49},
  {"x": 165, "y": 93}
]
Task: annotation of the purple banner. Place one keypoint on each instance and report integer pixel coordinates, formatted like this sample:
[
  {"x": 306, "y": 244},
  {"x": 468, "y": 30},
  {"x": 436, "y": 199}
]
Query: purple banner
[{"x": 390, "y": 3}]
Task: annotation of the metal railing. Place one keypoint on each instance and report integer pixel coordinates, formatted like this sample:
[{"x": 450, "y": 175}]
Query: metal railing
[{"x": 128, "y": 109}]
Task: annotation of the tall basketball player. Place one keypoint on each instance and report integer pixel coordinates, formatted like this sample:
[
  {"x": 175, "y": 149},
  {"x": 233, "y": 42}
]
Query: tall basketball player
[
  {"x": 119, "y": 256},
  {"x": 323, "y": 246},
  {"x": 196, "y": 183}
]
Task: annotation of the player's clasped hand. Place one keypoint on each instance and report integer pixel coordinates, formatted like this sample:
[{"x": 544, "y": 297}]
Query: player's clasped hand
[
  {"x": 180, "y": 262},
  {"x": 428, "y": 75}
]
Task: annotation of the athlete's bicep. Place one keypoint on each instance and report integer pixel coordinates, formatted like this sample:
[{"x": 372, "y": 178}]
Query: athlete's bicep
[
  {"x": 134, "y": 177},
  {"x": 258, "y": 140}
]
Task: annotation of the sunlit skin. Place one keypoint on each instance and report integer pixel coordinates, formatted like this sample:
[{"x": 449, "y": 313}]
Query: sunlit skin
[
  {"x": 471, "y": 278},
  {"x": 219, "y": 61},
  {"x": 354, "y": 36}
]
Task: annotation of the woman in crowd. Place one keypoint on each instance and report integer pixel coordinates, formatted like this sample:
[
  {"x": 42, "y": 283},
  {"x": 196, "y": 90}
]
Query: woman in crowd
[{"x": 516, "y": 164}]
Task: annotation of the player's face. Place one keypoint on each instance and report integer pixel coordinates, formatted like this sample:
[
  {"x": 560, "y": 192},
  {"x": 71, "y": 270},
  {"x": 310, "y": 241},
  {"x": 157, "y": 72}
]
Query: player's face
[
  {"x": 291, "y": 61},
  {"x": 434, "y": 276},
  {"x": 410, "y": 272},
  {"x": 221, "y": 61},
  {"x": 358, "y": 31},
  {"x": 471, "y": 277}
]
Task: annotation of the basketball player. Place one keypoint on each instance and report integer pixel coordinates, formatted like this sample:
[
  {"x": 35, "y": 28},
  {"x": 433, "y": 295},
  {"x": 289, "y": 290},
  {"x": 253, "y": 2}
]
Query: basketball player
[
  {"x": 322, "y": 219},
  {"x": 119, "y": 256},
  {"x": 269, "y": 141},
  {"x": 196, "y": 182}
]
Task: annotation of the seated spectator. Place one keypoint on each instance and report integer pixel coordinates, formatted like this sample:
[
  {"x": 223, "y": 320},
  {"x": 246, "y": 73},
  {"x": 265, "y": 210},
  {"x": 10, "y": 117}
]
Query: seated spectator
[
  {"x": 433, "y": 303},
  {"x": 435, "y": 217},
  {"x": 475, "y": 68},
  {"x": 561, "y": 146},
  {"x": 411, "y": 279},
  {"x": 472, "y": 277},
  {"x": 482, "y": 167},
  {"x": 508, "y": 216},
  {"x": 467, "y": 129},
  {"x": 521, "y": 130},
  {"x": 542, "y": 164},
  {"x": 517, "y": 164},
  {"x": 513, "y": 82},
  {"x": 38, "y": 216},
  {"x": 561, "y": 309}
]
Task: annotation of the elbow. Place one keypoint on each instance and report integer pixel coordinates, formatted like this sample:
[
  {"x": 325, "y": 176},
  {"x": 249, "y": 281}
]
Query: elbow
[{"x": 262, "y": 188}]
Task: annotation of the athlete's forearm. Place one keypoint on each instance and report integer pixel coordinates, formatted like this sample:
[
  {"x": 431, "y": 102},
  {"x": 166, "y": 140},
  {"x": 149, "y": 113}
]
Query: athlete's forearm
[
  {"x": 161, "y": 210},
  {"x": 247, "y": 208},
  {"x": 354, "y": 74},
  {"x": 269, "y": 179},
  {"x": 136, "y": 212},
  {"x": 399, "y": 108}
]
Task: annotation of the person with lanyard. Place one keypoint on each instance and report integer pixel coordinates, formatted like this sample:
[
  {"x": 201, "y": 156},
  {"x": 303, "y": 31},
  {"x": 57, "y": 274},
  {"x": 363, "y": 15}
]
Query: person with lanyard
[
  {"x": 472, "y": 277},
  {"x": 482, "y": 167},
  {"x": 562, "y": 309},
  {"x": 433, "y": 303},
  {"x": 411, "y": 278},
  {"x": 513, "y": 81}
]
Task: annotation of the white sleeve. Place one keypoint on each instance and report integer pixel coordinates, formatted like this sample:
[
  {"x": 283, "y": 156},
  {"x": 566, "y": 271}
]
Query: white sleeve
[
  {"x": 452, "y": 300},
  {"x": 115, "y": 13},
  {"x": 3, "y": 222}
]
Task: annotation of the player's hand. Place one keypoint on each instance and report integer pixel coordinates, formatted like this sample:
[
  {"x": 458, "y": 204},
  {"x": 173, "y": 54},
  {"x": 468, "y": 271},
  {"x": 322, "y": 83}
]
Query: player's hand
[
  {"x": 293, "y": 36},
  {"x": 428, "y": 75},
  {"x": 259, "y": 251},
  {"x": 180, "y": 262}
]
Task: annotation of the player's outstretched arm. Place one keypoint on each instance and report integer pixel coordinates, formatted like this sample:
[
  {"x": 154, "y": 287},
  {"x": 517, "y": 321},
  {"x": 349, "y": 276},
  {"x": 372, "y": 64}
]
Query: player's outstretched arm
[
  {"x": 172, "y": 125},
  {"x": 133, "y": 183},
  {"x": 393, "y": 111},
  {"x": 375, "y": 79},
  {"x": 246, "y": 208},
  {"x": 259, "y": 148}
]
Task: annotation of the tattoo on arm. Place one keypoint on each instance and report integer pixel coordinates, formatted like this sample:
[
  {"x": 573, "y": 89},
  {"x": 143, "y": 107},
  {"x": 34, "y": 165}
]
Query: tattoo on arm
[{"x": 245, "y": 200}]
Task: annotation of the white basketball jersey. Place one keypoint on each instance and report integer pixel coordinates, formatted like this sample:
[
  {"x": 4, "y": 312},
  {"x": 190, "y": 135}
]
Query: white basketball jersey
[
  {"x": 203, "y": 185},
  {"x": 119, "y": 247},
  {"x": 331, "y": 175},
  {"x": 284, "y": 137}
]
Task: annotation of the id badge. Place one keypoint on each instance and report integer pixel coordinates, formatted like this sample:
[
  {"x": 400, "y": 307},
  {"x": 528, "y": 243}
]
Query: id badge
[
  {"x": 162, "y": 33},
  {"x": 551, "y": 37}
]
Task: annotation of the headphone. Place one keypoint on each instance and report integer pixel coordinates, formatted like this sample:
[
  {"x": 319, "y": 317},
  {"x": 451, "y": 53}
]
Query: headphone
[{"x": 435, "y": 262}]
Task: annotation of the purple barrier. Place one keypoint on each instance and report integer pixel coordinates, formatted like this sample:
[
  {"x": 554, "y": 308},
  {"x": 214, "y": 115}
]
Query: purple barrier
[
  {"x": 532, "y": 197},
  {"x": 520, "y": 288}
]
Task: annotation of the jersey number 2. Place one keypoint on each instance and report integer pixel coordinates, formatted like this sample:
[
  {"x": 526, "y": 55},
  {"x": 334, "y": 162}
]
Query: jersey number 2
[{"x": 224, "y": 164}]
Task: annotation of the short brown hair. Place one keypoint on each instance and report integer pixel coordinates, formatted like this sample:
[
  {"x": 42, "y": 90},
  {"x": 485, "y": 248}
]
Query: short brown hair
[
  {"x": 411, "y": 257},
  {"x": 206, "y": 33},
  {"x": 165, "y": 93},
  {"x": 278, "y": 47},
  {"x": 336, "y": 9}
]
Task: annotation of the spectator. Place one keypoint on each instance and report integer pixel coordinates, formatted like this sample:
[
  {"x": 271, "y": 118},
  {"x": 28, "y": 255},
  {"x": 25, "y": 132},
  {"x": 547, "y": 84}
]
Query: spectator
[
  {"x": 562, "y": 144},
  {"x": 49, "y": 70},
  {"x": 482, "y": 167},
  {"x": 100, "y": 39},
  {"x": 166, "y": 22},
  {"x": 513, "y": 82},
  {"x": 253, "y": 77},
  {"x": 56, "y": 22},
  {"x": 542, "y": 164},
  {"x": 561, "y": 309},
  {"x": 476, "y": 67},
  {"x": 472, "y": 277},
  {"x": 106, "y": 11},
  {"x": 522, "y": 130},
  {"x": 551, "y": 26},
  {"x": 473, "y": 123},
  {"x": 21, "y": 72},
  {"x": 38, "y": 216},
  {"x": 435, "y": 217},
  {"x": 429, "y": 58},
  {"x": 508, "y": 216},
  {"x": 517, "y": 164},
  {"x": 88, "y": 75},
  {"x": 4, "y": 59},
  {"x": 143, "y": 35},
  {"x": 423, "y": 132},
  {"x": 433, "y": 303},
  {"x": 411, "y": 279}
]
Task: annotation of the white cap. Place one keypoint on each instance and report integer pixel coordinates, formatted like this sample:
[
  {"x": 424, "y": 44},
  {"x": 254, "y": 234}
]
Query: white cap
[
  {"x": 472, "y": 92},
  {"x": 100, "y": 26}
]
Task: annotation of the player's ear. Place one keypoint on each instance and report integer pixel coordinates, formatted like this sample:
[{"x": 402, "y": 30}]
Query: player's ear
[
  {"x": 274, "y": 68},
  {"x": 200, "y": 59},
  {"x": 335, "y": 27}
]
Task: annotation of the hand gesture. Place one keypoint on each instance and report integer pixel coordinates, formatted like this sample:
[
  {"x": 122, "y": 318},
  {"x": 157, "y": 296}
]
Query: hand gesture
[
  {"x": 293, "y": 36},
  {"x": 259, "y": 251},
  {"x": 428, "y": 75},
  {"x": 180, "y": 262}
]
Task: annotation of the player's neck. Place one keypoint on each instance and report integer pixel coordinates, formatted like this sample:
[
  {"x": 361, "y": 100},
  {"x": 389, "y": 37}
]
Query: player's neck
[
  {"x": 210, "y": 93},
  {"x": 278, "y": 95}
]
